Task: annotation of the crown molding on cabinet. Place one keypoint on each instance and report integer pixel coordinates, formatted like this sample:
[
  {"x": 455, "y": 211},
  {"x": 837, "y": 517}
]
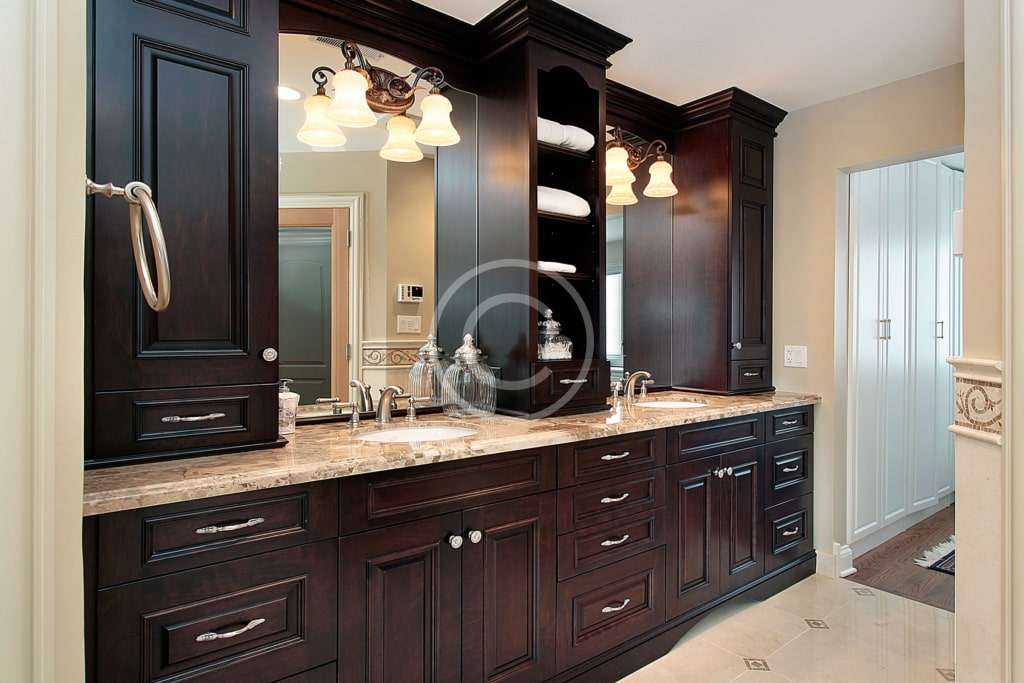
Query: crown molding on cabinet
[{"x": 730, "y": 102}]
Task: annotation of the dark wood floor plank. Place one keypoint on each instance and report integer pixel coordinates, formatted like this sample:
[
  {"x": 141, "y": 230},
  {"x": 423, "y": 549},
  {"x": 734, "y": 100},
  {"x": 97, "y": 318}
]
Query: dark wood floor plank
[{"x": 890, "y": 567}]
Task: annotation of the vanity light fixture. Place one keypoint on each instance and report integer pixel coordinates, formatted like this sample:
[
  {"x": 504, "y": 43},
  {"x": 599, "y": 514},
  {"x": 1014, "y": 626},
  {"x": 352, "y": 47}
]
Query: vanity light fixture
[
  {"x": 361, "y": 91},
  {"x": 622, "y": 158}
]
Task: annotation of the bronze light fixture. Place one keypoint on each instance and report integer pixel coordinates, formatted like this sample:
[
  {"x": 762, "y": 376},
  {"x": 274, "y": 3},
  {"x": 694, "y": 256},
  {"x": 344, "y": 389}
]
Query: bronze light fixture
[{"x": 622, "y": 158}]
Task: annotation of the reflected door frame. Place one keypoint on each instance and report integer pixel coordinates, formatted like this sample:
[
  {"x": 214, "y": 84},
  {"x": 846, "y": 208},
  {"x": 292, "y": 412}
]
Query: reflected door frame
[{"x": 352, "y": 236}]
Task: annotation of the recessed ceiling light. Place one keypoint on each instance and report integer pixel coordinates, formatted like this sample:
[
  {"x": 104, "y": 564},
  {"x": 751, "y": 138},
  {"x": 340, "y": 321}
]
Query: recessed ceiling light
[{"x": 289, "y": 94}]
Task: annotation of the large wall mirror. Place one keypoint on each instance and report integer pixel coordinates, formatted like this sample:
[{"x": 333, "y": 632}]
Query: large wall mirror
[{"x": 357, "y": 236}]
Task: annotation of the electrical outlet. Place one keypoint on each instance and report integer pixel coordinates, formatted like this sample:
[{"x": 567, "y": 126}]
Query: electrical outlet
[
  {"x": 795, "y": 357},
  {"x": 409, "y": 324}
]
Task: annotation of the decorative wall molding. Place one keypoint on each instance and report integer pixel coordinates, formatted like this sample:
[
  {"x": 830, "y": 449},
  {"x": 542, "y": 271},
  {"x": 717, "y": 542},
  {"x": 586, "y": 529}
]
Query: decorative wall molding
[
  {"x": 390, "y": 353},
  {"x": 978, "y": 385}
]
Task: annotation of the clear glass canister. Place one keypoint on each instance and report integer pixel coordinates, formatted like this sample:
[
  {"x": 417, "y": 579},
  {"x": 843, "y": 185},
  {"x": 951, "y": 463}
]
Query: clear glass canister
[
  {"x": 427, "y": 373},
  {"x": 469, "y": 387},
  {"x": 552, "y": 344}
]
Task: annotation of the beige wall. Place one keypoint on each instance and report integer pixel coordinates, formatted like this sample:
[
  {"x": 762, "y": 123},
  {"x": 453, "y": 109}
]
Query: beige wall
[
  {"x": 909, "y": 119},
  {"x": 411, "y": 240}
]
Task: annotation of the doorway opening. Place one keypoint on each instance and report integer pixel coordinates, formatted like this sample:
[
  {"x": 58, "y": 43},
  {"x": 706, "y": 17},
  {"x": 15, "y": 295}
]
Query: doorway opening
[{"x": 904, "y": 319}]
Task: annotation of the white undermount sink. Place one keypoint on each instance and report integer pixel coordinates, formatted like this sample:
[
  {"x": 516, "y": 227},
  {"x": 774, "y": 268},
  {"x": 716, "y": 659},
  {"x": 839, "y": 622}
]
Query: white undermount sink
[
  {"x": 417, "y": 434},
  {"x": 670, "y": 405}
]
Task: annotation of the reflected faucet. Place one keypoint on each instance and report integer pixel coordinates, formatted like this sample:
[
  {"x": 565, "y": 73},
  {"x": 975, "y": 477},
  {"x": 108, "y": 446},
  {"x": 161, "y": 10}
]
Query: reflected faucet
[{"x": 364, "y": 400}]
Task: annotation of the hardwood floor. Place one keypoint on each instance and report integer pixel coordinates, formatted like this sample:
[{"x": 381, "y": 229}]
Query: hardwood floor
[{"x": 890, "y": 566}]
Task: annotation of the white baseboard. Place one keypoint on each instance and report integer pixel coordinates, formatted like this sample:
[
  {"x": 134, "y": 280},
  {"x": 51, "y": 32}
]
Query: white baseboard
[
  {"x": 838, "y": 563},
  {"x": 889, "y": 532}
]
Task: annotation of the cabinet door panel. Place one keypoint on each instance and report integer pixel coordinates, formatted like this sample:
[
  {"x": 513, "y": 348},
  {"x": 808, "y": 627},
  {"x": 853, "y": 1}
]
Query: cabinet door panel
[
  {"x": 692, "y": 495},
  {"x": 742, "y": 512},
  {"x": 401, "y": 595},
  {"x": 509, "y": 591}
]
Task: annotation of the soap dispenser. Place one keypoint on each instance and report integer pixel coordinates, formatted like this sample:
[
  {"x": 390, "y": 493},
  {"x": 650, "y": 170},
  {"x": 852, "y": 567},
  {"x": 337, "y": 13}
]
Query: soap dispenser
[{"x": 287, "y": 407}]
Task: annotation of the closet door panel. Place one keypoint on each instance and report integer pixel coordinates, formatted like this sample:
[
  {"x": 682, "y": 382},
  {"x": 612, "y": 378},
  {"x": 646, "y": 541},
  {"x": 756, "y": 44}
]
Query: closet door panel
[
  {"x": 924, "y": 401},
  {"x": 896, "y": 216},
  {"x": 865, "y": 370}
]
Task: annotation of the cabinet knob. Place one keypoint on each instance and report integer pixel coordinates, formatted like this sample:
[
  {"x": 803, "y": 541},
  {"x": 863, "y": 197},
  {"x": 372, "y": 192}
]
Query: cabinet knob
[
  {"x": 475, "y": 536},
  {"x": 455, "y": 541},
  {"x": 737, "y": 345},
  {"x": 269, "y": 354}
]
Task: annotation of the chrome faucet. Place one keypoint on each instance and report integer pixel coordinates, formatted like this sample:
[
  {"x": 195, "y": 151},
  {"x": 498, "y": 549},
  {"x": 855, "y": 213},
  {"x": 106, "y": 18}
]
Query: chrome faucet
[
  {"x": 631, "y": 381},
  {"x": 364, "y": 399},
  {"x": 388, "y": 399}
]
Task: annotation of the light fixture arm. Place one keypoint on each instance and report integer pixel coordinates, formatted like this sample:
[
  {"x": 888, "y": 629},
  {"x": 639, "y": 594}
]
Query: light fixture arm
[
  {"x": 637, "y": 154},
  {"x": 321, "y": 78}
]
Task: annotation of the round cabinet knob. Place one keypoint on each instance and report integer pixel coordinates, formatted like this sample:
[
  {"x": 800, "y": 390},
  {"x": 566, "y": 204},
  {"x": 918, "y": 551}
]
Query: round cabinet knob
[
  {"x": 475, "y": 536},
  {"x": 269, "y": 354},
  {"x": 737, "y": 345},
  {"x": 455, "y": 541}
]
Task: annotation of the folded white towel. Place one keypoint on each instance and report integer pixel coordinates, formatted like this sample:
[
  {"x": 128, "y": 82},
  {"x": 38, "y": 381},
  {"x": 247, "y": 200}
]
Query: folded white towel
[
  {"x": 561, "y": 202},
  {"x": 556, "y": 267},
  {"x": 571, "y": 137}
]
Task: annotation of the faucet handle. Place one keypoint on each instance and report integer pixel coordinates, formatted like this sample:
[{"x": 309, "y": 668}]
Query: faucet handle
[
  {"x": 410, "y": 414},
  {"x": 326, "y": 400}
]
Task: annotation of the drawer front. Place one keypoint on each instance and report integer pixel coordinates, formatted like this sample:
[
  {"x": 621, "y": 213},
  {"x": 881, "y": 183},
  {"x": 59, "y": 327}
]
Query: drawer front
[
  {"x": 133, "y": 425},
  {"x": 257, "y": 619},
  {"x": 788, "y": 531},
  {"x": 606, "y": 458},
  {"x": 786, "y": 424},
  {"x": 558, "y": 378},
  {"x": 603, "y": 544},
  {"x": 152, "y": 541},
  {"x": 789, "y": 469},
  {"x": 391, "y": 497},
  {"x": 711, "y": 438},
  {"x": 751, "y": 375},
  {"x": 608, "y": 500},
  {"x": 606, "y": 607},
  {"x": 328, "y": 673}
]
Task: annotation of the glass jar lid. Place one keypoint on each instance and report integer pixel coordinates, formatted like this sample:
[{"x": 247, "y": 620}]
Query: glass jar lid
[
  {"x": 467, "y": 353},
  {"x": 430, "y": 350},
  {"x": 549, "y": 327}
]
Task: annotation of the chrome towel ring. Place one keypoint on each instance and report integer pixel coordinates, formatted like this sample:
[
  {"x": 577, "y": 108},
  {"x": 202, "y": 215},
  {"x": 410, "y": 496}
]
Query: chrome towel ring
[{"x": 140, "y": 203}]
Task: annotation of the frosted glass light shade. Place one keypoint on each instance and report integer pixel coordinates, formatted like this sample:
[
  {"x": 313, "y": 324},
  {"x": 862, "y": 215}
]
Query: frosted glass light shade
[
  {"x": 401, "y": 144},
  {"x": 318, "y": 130},
  {"x": 349, "y": 107},
  {"x": 616, "y": 167},
  {"x": 622, "y": 195},
  {"x": 660, "y": 184},
  {"x": 436, "y": 127}
]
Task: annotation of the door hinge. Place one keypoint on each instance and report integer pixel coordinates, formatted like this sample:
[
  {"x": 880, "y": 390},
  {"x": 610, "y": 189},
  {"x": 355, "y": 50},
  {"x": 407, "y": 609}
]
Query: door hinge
[
  {"x": 348, "y": 238},
  {"x": 348, "y": 350}
]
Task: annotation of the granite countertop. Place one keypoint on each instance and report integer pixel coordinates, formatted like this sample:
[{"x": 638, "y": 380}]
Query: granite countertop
[{"x": 331, "y": 450}]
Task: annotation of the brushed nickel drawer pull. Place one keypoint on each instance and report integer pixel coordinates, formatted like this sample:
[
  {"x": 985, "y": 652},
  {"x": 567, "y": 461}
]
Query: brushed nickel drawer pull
[
  {"x": 788, "y": 470},
  {"x": 174, "y": 419},
  {"x": 791, "y": 532},
  {"x": 614, "y": 499},
  {"x": 214, "y": 529},
  {"x": 608, "y": 609},
  {"x": 615, "y": 541},
  {"x": 213, "y": 635},
  {"x": 615, "y": 456},
  {"x": 573, "y": 381},
  {"x": 751, "y": 374},
  {"x": 789, "y": 423}
]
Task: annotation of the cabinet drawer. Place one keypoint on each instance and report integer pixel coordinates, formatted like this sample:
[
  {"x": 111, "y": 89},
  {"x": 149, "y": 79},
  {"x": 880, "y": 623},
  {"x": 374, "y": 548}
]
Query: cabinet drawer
[
  {"x": 600, "y": 545},
  {"x": 139, "y": 425},
  {"x": 593, "y": 460},
  {"x": 148, "y": 542},
  {"x": 789, "y": 469},
  {"x": 785, "y": 424},
  {"x": 788, "y": 531},
  {"x": 328, "y": 673},
  {"x": 750, "y": 375},
  {"x": 606, "y": 500},
  {"x": 558, "y": 378},
  {"x": 608, "y": 606},
  {"x": 711, "y": 438},
  {"x": 391, "y": 497},
  {"x": 258, "y": 619}
]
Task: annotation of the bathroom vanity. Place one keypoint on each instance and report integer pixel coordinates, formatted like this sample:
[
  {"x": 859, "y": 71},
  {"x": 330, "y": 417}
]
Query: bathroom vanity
[{"x": 556, "y": 549}]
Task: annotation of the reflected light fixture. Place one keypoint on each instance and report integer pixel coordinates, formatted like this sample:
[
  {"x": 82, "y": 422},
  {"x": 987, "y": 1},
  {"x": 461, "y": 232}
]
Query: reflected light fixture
[
  {"x": 288, "y": 94},
  {"x": 622, "y": 158},
  {"x": 318, "y": 130},
  {"x": 362, "y": 91}
]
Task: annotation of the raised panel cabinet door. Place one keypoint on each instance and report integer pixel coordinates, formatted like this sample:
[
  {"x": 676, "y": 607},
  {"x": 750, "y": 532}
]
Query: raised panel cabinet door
[
  {"x": 401, "y": 603},
  {"x": 185, "y": 101},
  {"x": 508, "y": 591},
  {"x": 692, "y": 495},
  {"x": 750, "y": 311},
  {"x": 742, "y": 553}
]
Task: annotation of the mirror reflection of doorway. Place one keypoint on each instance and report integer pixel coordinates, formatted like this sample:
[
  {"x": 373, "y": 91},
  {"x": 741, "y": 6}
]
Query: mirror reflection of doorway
[{"x": 313, "y": 318}]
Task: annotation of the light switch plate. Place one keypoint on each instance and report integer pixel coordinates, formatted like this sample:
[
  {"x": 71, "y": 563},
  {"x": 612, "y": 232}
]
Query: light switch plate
[
  {"x": 409, "y": 324},
  {"x": 795, "y": 357}
]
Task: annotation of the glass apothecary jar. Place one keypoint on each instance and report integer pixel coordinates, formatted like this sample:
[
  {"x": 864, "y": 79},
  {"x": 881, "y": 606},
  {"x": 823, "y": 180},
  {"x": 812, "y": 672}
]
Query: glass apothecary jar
[
  {"x": 552, "y": 344},
  {"x": 469, "y": 387},
  {"x": 427, "y": 374}
]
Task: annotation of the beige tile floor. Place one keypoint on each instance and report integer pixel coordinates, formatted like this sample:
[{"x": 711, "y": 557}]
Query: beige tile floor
[{"x": 822, "y": 630}]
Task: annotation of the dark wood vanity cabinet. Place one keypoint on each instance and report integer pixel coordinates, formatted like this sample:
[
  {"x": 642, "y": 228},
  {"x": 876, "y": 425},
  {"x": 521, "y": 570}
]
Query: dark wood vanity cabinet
[{"x": 184, "y": 99}]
